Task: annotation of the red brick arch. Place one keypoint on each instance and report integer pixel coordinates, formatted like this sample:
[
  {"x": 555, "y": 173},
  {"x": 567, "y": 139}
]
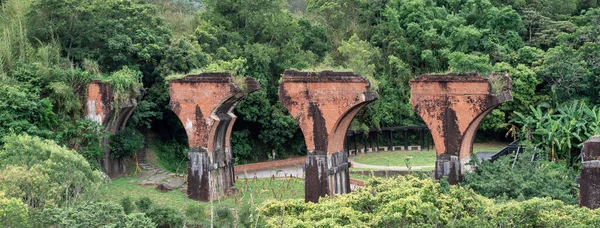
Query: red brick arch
[
  {"x": 204, "y": 104},
  {"x": 101, "y": 107},
  {"x": 452, "y": 107},
  {"x": 324, "y": 104}
]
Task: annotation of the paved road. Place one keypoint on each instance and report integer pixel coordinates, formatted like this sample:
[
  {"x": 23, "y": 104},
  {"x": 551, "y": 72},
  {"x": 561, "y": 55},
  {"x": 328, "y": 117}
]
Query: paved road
[
  {"x": 296, "y": 171},
  {"x": 485, "y": 155},
  {"x": 396, "y": 168}
]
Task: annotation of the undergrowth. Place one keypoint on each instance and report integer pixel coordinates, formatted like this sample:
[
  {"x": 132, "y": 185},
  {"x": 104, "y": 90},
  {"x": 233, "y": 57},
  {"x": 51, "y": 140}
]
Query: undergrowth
[{"x": 171, "y": 156}]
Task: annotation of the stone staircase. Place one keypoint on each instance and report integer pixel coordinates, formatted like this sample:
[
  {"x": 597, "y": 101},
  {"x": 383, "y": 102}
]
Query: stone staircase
[
  {"x": 141, "y": 156},
  {"x": 145, "y": 166},
  {"x": 163, "y": 180}
]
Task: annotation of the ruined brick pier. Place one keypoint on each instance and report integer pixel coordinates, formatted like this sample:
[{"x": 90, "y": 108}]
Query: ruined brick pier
[
  {"x": 324, "y": 104},
  {"x": 100, "y": 107},
  {"x": 589, "y": 183},
  {"x": 204, "y": 104},
  {"x": 452, "y": 107}
]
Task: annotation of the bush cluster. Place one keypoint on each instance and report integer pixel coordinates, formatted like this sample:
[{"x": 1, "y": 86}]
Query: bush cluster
[
  {"x": 408, "y": 201},
  {"x": 171, "y": 156},
  {"x": 91, "y": 215},
  {"x": 522, "y": 179},
  {"x": 126, "y": 143}
]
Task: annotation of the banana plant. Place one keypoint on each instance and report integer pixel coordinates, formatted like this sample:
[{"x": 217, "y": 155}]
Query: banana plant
[{"x": 560, "y": 128}]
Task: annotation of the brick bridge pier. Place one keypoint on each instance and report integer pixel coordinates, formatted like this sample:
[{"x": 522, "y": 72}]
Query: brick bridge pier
[
  {"x": 324, "y": 104},
  {"x": 204, "y": 105},
  {"x": 100, "y": 107},
  {"x": 452, "y": 107},
  {"x": 589, "y": 183}
]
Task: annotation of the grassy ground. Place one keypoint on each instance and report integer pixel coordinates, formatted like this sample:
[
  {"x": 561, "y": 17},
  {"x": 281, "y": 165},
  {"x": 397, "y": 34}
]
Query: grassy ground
[
  {"x": 416, "y": 158},
  {"x": 249, "y": 191},
  {"x": 420, "y": 158},
  {"x": 488, "y": 147},
  {"x": 363, "y": 177},
  {"x": 258, "y": 190},
  {"x": 360, "y": 177}
]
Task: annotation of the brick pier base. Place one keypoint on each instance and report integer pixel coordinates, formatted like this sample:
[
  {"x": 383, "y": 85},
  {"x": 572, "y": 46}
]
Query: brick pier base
[{"x": 589, "y": 183}]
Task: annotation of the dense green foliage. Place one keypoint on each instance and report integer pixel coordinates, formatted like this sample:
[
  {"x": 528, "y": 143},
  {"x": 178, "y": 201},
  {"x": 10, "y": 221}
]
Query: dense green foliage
[
  {"x": 51, "y": 49},
  {"x": 522, "y": 179},
  {"x": 91, "y": 215},
  {"x": 13, "y": 212},
  {"x": 88, "y": 30},
  {"x": 144, "y": 204},
  {"x": 24, "y": 112},
  {"x": 413, "y": 202},
  {"x": 126, "y": 143},
  {"x": 44, "y": 174},
  {"x": 559, "y": 130},
  {"x": 46, "y": 185},
  {"x": 50, "y": 53},
  {"x": 165, "y": 216},
  {"x": 171, "y": 156},
  {"x": 127, "y": 205},
  {"x": 43, "y": 184}
]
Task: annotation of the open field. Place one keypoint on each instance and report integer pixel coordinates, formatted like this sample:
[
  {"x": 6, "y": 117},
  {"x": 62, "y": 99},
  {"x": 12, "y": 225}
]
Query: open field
[
  {"x": 250, "y": 191},
  {"x": 260, "y": 189},
  {"x": 416, "y": 158}
]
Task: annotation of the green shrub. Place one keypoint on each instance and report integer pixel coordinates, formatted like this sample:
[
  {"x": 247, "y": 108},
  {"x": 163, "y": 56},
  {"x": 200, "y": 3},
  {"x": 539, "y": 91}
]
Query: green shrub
[
  {"x": 125, "y": 143},
  {"x": 242, "y": 150},
  {"x": 127, "y": 205},
  {"x": 172, "y": 156},
  {"x": 13, "y": 212},
  {"x": 84, "y": 134},
  {"x": 165, "y": 216},
  {"x": 245, "y": 212},
  {"x": 223, "y": 217},
  {"x": 138, "y": 220},
  {"x": 196, "y": 214},
  {"x": 144, "y": 204},
  {"x": 523, "y": 180},
  {"x": 559, "y": 129},
  {"x": 408, "y": 201},
  {"x": 126, "y": 84},
  {"x": 22, "y": 110},
  {"x": 91, "y": 215},
  {"x": 42, "y": 173}
]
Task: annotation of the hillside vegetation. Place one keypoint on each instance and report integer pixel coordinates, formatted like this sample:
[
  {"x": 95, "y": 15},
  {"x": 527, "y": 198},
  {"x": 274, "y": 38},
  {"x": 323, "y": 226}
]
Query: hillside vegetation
[{"x": 51, "y": 49}]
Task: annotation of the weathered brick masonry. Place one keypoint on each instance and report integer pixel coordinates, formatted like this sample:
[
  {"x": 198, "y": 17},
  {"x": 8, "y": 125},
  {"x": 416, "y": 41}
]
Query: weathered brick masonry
[
  {"x": 324, "y": 104},
  {"x": 100, "y": 107},
  {"x": 204, "y": 104},
  {"x": 589, "y": 183},
  {"x": 452, "y": 107}
]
